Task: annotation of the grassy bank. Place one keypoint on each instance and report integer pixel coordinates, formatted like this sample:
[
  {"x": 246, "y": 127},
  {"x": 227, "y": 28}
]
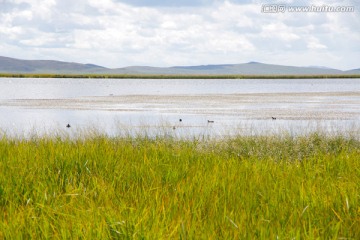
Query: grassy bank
[
  {"x": 171, "y": 76},
  {"x": 140, "y": 188}
]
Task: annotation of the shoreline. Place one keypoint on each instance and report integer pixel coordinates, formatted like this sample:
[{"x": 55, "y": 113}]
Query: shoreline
[
  {"x": 247, "y": 106},
  {"x": 176, "y": 76}
]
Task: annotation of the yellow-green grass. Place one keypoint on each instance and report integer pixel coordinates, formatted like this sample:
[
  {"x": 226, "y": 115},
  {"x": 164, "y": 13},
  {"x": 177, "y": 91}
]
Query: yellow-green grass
[
  {"x": 176, "y": 76},
  {"x": 245, "y": 187}
]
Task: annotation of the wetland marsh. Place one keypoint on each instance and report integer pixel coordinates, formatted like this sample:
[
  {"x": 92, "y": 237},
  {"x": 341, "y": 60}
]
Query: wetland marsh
[{"x": 214, "y": 180}]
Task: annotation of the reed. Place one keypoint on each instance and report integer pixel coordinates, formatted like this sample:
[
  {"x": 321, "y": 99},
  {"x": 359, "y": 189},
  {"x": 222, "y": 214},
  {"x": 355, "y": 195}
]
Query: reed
[
  {"x": 172, "y": 76},
  {"x": 243, "y": 187}
]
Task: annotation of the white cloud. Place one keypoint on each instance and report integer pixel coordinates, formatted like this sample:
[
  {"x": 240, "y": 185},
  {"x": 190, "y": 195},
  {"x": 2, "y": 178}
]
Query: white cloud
[
  {"x": 314, "y": 43},
  {"x": 115, "y": 34}
]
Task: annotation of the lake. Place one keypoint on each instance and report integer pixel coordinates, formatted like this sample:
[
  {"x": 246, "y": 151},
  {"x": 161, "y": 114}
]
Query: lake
[{"x": 205, "y": 106}]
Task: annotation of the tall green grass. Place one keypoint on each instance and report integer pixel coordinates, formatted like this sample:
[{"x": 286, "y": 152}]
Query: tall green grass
[{"x": 244, "y": 187}]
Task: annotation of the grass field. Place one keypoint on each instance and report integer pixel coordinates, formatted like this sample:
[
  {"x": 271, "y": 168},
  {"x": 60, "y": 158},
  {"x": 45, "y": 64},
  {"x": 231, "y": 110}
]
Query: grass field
[
  {"x": 172, "y": 76},
  {"x": 245, "y": 187}
]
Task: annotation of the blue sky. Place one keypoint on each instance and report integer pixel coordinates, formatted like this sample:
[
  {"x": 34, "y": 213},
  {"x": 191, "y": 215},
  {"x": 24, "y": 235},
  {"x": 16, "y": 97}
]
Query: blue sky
[{"x": 118, "y": 33}]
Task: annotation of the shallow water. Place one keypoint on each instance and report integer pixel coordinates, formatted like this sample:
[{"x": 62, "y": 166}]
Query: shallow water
[{"x": 118, "y": 106}]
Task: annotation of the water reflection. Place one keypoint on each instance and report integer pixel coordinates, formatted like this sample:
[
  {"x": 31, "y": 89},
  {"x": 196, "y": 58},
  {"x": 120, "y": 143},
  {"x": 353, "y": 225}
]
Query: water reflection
[{"x": 133, "y": 106}]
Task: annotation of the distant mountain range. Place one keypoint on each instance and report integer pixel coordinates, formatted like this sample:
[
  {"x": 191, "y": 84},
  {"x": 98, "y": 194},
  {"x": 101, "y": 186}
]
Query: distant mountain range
[{"x": 12, "y": 65}]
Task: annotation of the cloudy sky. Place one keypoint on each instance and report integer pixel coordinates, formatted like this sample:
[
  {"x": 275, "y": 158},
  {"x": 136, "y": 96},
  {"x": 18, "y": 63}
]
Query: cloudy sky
[{"x": 118, "y": 33}]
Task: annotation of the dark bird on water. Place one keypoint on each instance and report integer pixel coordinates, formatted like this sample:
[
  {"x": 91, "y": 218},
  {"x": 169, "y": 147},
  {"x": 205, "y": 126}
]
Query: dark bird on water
[
  {"x": 180, "y": 120},
  {"x": 210, "y": 121},
  {"x": 273, "y": 118},
  {"x": 68, "y": 125}
]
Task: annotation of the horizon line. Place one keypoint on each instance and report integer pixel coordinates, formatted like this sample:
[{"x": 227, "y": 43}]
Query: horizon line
[{"x": 181, "y": 66}]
